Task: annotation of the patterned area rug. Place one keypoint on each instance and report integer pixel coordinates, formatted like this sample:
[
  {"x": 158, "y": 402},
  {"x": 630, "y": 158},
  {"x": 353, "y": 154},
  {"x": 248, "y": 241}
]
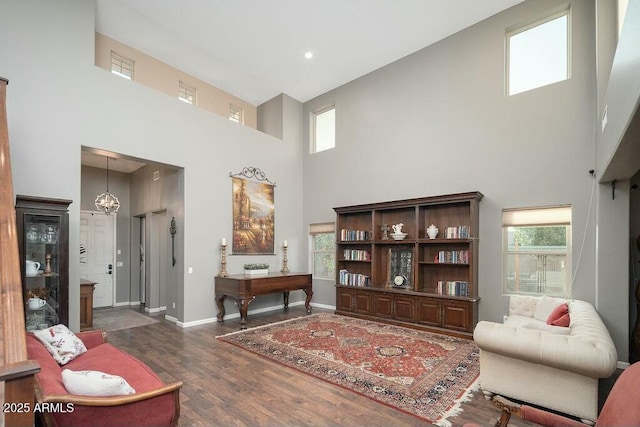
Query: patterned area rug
[
  {"x": 115, "y": 319},
  {"x": 425, "y": 374}
]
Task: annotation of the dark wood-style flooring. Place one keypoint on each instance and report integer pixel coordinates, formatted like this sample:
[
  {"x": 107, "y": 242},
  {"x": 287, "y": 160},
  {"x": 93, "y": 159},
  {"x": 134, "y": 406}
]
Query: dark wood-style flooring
[{"x": 227, "y": 386}]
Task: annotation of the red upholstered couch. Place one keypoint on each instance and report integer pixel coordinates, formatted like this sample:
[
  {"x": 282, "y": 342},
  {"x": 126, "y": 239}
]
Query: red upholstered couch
[{"x": 154, "y": 403}]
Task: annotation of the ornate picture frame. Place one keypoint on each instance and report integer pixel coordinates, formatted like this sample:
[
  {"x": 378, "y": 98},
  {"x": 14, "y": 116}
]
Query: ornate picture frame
[{"x": 253, "y": 213}]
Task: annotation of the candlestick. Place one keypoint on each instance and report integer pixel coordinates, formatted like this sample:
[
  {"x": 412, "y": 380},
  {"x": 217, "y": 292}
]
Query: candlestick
[
  {"x": 223, "y": 259},
  {"x": 285, "y": 269}
]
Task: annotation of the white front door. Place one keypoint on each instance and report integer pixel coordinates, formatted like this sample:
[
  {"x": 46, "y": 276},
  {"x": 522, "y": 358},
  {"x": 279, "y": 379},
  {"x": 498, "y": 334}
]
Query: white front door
[{"x": 96, "y": 255}]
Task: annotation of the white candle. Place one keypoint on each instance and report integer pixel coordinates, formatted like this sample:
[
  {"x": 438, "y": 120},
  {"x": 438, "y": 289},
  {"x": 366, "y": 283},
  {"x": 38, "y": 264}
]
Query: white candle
[
  {"x": 224, "y": 241},
  {"x": 285, "y": 244}
]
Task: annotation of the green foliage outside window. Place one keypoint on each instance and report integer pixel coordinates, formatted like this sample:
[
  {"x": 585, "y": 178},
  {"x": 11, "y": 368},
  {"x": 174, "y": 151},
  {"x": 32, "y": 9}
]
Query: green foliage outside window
[
  {"x": 324, "y": 248},
  {"x": 541, "y": 236}
]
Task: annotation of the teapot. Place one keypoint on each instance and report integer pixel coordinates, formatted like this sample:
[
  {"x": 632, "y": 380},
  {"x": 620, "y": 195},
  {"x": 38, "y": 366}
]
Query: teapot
[
  {"x": 36, "y": 303},
  {"x": 432, "y": 231},
  {"x": 33, "y": 268}
]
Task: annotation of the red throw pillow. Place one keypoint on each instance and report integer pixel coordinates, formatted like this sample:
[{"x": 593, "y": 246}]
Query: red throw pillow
[{"x": 559, "y": 316}]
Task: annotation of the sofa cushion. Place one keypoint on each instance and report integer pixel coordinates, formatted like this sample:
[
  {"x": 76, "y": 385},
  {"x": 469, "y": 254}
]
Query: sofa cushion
[
  {"x": 545, "y": 307},
  {"x": 559, "y": 316},
  {"x": 538, "y": 326},
  {"x": 63, "y": 344},
  {"x": 95, "y": 383},
  {"x": 107, "y": 358}
]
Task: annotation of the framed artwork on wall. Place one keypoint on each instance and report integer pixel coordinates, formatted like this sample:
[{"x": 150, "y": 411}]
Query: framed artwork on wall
[{"x": 253, "y": 213}]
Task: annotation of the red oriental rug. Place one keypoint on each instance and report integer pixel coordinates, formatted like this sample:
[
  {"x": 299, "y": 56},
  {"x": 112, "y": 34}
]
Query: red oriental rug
[{"x": 424, "y": 374}]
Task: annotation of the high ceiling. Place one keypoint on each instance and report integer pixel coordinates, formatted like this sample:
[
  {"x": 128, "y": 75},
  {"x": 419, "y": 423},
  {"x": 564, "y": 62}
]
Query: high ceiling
[{"x": 254, "y": 49}]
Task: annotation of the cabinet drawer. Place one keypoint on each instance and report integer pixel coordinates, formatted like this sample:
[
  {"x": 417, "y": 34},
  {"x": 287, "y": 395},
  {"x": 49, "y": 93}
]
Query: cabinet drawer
[
  {"x": 405, "y": 309},
  {"x": 456, "y": 315},
  {"x": 362, "y": 303},
  {"x": 344, "y": 300},
  {"x": 383, "y": 306},
  {"x": 428, "y": 312}
]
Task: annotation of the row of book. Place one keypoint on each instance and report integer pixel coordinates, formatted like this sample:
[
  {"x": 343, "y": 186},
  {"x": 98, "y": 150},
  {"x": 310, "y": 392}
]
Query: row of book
[
  {"x": 357, "y": 255},
  {"x": 354, "y": 279},
  {"x": 455, "y": 288},
  {"x": 346, "y": 234},
  {"x": 452, "y": 257},
  {"x": 459, "y": 232}
]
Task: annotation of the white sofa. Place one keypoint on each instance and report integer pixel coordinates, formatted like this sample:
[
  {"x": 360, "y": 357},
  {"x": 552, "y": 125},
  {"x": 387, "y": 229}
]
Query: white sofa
[{"x": 557, "y": 368}]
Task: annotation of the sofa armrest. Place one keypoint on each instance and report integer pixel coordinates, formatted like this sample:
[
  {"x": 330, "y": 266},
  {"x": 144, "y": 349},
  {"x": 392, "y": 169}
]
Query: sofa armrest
[
  {"x": 92, "y": 338},
  {"x": 593, "y": 358},
  {"x": 110, "y": 400}
]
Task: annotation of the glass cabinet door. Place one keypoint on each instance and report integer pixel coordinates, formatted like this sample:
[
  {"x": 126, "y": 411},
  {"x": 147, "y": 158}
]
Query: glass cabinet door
[{"x": 43, "y": 245}]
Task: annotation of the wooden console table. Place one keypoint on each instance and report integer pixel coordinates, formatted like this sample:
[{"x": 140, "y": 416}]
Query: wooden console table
[
  {"x": 244, "y": 288},
  {"x": 86, "y": 303}
]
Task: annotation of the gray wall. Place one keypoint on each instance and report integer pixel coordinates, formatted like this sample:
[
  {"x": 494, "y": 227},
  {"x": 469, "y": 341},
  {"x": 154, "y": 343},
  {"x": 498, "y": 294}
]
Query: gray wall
[
  {"x": 438, "y": 122},
  {"x": 618, "y": 158},
  {"x": 159, "y": 201},
  {"x": 58, "y": 101}
]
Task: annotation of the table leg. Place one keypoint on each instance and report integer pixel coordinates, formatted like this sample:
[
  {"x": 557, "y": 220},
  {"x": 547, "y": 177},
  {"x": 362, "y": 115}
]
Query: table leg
[
  {"x": 285, "y": 295},
  {"x": 243, "y": 305},
  {"x": 220, "y": 304},
  {"x": 309, "y": 292}
]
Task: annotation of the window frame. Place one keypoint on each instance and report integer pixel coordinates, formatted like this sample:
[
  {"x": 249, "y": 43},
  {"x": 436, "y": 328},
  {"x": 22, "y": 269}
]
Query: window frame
[
  {"x": 123, "y": 60},
  {"x": 185, "y": 88},
  {"x": 544, "y": 216},
  {"x": 314, "y": 128},
  {"x": 235, "y": 110},
  {"x": 521, "y": 28},
  {"x": 314, "y": 230}
]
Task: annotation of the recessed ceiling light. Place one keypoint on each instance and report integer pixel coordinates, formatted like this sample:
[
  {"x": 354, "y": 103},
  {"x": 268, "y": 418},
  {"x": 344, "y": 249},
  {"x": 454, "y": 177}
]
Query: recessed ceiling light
[{"x": 308, "y": 55}]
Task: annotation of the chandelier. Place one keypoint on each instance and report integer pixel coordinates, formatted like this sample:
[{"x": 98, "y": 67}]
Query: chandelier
[{"x": 107, "y": 202}]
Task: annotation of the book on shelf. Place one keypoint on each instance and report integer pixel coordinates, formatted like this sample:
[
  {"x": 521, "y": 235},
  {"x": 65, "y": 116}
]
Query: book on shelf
[
  {"x": 354, "y": 279},
  {"x": 455, "y": 288},
  {"x": 459, "y": 232},
  {"x": 452, "y": 257},
  {"x": 350, "y": 235},
  {"x": 357, "y": 255}
]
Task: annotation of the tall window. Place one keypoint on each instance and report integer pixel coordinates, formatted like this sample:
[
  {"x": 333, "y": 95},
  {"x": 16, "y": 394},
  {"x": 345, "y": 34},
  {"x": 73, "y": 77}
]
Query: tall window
[
  {"x": 324, "y": 130},
  {"x": 121, "y": 66},
  {"x": 323, "y": 250},
  {"x": 539, "y": 54},
  {"x": 536, "y": 246},
  {"x": 186, "y": 93},
  {"x": 236, "y": 114}
]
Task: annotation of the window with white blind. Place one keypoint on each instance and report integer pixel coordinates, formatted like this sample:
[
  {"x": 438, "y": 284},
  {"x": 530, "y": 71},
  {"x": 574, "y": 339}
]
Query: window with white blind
[
  {"x": 236, "y": 114},
  {"x": 121, "y": 66},
  {"x": 539, "y": 54},
  {"x": 324, "y": 130},
  {"x": 186, "y": 93},
  {"x": 536, "y": 245},
  {"x": 323, "y": 250}
]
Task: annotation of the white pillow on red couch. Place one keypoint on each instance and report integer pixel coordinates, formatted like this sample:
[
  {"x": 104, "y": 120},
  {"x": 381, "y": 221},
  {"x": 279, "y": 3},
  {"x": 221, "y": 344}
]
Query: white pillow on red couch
[
  {"x": 63, "y": 344},
  {"x": 95, "y": 383}
]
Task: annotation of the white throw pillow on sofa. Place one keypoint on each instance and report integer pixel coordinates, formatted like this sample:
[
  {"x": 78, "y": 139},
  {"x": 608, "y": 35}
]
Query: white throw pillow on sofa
[
  {"x": 95, "y": 383},
  {"x": 545, "y": 306},
  {"x": 560, "y": 330},
  {"x": 63, "y": 344}
]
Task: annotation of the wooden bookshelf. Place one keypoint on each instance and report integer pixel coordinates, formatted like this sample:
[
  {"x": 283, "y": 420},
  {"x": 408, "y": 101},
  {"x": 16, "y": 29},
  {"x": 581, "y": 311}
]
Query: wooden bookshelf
[{"x": 437, "y": 288}]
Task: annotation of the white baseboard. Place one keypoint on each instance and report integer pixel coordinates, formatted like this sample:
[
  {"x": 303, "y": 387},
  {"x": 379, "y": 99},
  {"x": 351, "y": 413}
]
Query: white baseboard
[
  {"x": 121, "y": 304},
  {"x": 170, "y": 318},
  {"x": 134, "y": 303},
  {"x": 249, "y": 313},
  {"x": 622, "y": 365},
  {"x": 155, "y": 310}
]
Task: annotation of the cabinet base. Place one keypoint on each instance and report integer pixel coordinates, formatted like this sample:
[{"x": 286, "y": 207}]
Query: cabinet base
[{"x": 435, "y": 329}]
